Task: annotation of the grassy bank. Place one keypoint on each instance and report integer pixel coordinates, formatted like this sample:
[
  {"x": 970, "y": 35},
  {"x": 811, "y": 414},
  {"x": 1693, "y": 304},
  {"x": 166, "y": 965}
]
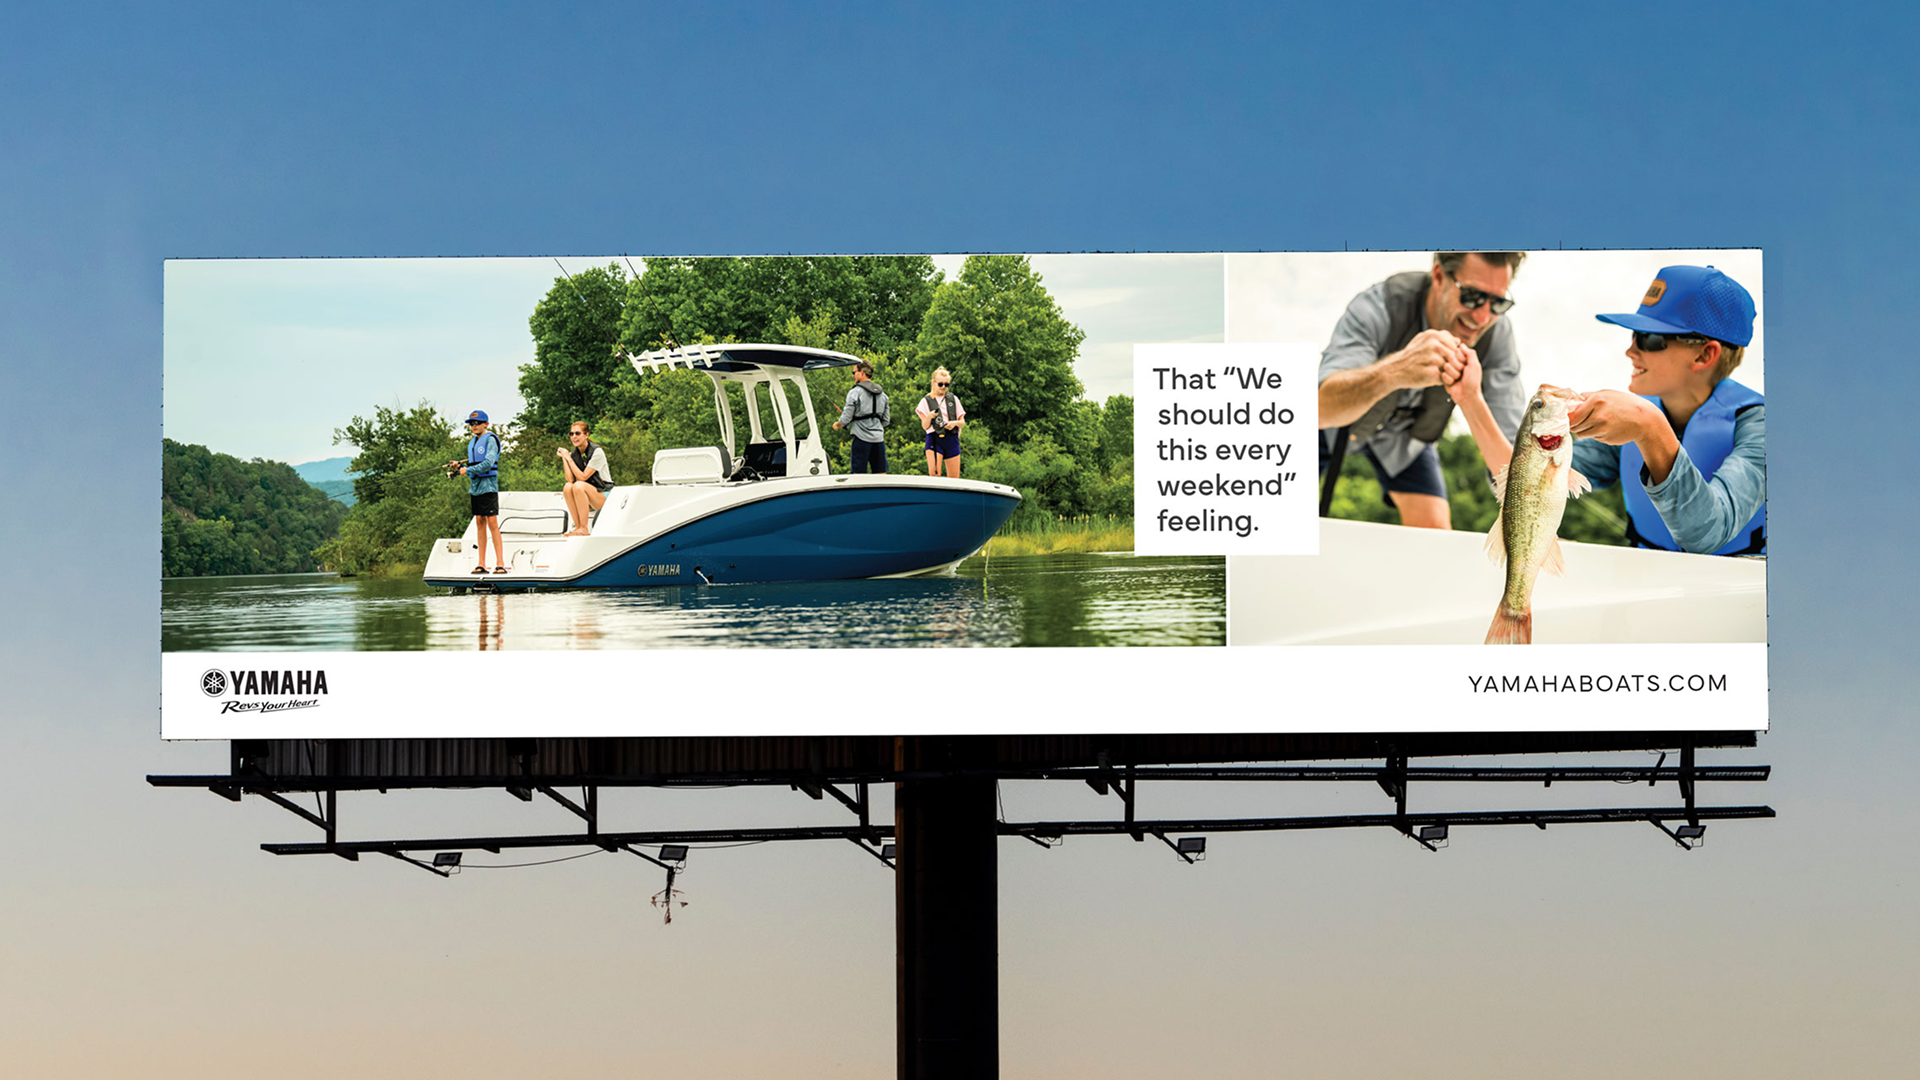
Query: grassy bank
[{"x": 1044, "y": 534}]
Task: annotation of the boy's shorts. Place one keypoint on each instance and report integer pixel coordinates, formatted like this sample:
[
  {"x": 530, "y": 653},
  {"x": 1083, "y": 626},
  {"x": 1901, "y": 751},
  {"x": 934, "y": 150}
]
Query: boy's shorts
[{"x": 487, "y": 505}]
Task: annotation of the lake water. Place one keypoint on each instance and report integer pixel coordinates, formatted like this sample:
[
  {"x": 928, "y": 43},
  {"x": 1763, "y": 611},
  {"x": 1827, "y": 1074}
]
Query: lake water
[{"x": 1043, "y": 600}]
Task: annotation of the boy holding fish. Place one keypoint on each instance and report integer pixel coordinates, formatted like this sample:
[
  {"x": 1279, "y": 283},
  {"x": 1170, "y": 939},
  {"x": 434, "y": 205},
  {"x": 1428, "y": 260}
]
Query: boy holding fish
[{"x": 1686, "y": 443}]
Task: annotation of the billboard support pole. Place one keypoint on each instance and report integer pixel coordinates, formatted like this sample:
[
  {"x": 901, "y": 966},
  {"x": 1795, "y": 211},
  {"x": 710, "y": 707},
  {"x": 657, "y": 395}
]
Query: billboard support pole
[{"x": 946, "y": 910}]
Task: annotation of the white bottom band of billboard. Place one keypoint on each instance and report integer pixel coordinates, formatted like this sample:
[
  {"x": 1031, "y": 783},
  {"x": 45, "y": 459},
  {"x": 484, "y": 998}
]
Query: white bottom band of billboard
[{"x": 1412, "y": 688}]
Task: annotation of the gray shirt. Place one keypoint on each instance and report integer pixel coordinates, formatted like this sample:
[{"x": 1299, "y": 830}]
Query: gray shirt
[
  {"x": 1702, "y": 514},
  {"x": 1360, "y": 339},
  {"x": 861, "y": 403}
]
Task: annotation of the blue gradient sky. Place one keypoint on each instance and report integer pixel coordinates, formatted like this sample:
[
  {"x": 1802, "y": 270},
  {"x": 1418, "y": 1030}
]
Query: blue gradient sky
[{"x": 144, "y": 931}]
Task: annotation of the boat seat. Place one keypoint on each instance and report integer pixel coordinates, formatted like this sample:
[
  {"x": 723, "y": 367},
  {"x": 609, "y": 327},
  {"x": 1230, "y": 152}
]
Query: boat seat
[
  {"x": 542, "y": 522},
  {"x": 691, "y": 465}
]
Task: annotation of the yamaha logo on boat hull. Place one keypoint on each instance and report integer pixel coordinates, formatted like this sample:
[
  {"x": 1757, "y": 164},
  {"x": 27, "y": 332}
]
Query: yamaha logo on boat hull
[{"x": 295, "y": 689}]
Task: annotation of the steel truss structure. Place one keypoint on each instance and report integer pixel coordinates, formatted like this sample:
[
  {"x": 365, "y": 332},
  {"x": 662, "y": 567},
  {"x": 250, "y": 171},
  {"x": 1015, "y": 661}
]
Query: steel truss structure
[
  {"x": 942, "y": 840},
  {"x": 1395, "y": 778}
]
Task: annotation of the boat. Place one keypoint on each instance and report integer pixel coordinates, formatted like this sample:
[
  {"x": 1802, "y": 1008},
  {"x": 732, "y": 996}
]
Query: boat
[
  {"x": 1391, "y": 585},
  {"x": 772, "y": 510}
]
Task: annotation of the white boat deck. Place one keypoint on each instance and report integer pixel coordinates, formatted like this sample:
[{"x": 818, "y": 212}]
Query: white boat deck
[{"x": 1390, "y": 585}]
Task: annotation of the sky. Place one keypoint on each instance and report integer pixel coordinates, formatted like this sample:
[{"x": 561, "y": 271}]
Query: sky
[
  {"x": 146, "y": 932},
  {"x": 267, "y": 358}
]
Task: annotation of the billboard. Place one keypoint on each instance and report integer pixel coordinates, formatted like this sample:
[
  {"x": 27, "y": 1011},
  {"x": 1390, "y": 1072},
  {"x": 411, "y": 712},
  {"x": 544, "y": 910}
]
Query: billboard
[{"x": 1207, "y": 492}]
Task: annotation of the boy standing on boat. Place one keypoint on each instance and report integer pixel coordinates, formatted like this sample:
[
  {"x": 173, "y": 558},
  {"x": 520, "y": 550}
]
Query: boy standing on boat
[
  {"x": 865, "y": 418},
  {"x": 587, "y": 479},
  {"x": 482, "y": 470}
]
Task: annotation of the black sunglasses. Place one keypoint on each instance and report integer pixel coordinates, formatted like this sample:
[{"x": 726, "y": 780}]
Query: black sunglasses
[
  {"x": 943, "y": 384},
  {"x": 1471, "y": 298},
  {"x": 1647, "y": 342}
]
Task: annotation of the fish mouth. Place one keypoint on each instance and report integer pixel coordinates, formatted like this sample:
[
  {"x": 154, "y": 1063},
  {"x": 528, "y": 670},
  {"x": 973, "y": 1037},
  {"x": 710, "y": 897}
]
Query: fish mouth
[{"x": 1550, "y": 442}]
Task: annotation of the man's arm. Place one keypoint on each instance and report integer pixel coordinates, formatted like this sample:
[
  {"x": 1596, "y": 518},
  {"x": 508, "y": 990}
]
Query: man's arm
[{"x": 1353, "y": 374}]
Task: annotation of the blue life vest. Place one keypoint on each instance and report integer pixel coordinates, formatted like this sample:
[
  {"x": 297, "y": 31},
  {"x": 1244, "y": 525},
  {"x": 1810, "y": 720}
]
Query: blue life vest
[
  {"x": 477, "y": 467},
  {"x": 1708, "y": 441}
]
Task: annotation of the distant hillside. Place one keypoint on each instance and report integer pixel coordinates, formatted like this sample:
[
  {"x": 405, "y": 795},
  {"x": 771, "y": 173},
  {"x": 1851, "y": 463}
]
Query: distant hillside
[
  {"x": 340, "y": 491},
  {"x": 221, "y": 515},
  {"x": 329, "y": 477},
  {"x": 317, "y": 472}
]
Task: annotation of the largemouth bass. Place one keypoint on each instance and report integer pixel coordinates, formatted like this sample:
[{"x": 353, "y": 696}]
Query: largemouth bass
[{"x": 1533, "y": 491}]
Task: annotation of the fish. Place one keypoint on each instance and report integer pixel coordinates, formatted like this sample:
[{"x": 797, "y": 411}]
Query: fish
[{"x": 1533, "y": 490}]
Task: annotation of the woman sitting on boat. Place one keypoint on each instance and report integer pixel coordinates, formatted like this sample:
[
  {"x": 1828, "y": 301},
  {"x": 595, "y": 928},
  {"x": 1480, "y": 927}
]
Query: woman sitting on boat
[
  {"x": 942, "y": 417},
  {"x": 587, "y": 479}
]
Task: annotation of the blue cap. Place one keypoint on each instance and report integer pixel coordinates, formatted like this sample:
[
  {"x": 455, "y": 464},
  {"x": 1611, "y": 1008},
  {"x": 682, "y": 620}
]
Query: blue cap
[
  {"x": 1693, "y": 300},
  {"x": 476, "y": 417}
]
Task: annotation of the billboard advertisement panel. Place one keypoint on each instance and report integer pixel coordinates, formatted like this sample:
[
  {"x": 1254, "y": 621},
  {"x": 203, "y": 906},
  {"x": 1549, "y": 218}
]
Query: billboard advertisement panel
[{"x": 1259, "y": 492}]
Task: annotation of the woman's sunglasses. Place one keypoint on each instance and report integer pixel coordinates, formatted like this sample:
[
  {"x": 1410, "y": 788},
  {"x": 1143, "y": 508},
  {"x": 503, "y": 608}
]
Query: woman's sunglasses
[
  {"x": 1471, "y": 298},
  {"x": 1647, "y": 342}
]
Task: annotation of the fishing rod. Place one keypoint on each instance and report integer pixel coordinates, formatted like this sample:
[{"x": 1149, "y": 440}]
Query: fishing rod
[
  {"x": 378, "y": 481},
  {"x": 576, "y": 288}
]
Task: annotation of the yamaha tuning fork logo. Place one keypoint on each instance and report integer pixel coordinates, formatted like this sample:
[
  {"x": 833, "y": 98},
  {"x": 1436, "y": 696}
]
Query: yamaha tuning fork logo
[{"x": 264, "y": 691}]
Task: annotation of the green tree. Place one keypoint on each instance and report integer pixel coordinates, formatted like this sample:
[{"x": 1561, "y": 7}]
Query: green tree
[
  {"x": 394, "y": 442},
  {"x": 577, "y": 370},
  {"x": 1004, "y": 339},
  {"x": 685, "y": 301},
  {"x": 1116, "y": 433},
  {"x": 222, "y": 515}
]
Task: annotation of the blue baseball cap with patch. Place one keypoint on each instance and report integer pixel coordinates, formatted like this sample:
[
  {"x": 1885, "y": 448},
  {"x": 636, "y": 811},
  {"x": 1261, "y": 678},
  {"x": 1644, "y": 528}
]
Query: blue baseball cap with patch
[
  {"x": 476, "y": 417},
  {"x": 1693, "y": 300}
]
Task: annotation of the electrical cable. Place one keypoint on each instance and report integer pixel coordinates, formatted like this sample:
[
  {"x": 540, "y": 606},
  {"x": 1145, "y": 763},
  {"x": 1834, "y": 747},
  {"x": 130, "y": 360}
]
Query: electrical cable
[{"x": 516, "y": 865}]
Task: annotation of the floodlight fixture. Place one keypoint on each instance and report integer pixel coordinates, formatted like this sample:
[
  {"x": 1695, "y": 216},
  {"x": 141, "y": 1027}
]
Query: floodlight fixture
[
  {"x": 1434, "y": 836},
  {"x": 673, "y": 853},
  {"x": 1192, "y": 845},
  {"x": 448, "y": 859},
  {"x": 886, "y": 851},
  {"x": 1695, "y": 835}
]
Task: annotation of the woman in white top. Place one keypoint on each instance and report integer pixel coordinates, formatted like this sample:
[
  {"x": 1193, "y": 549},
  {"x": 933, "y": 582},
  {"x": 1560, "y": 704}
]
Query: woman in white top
[
  {"x": 587, "y": 477},
  {"x": 942, "y": 417}
]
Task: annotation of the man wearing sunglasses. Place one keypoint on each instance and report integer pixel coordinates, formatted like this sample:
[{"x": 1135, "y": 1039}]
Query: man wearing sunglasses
[
  {"x": 1686, "y": 443},
  {"x": 1406, "y": 352}
]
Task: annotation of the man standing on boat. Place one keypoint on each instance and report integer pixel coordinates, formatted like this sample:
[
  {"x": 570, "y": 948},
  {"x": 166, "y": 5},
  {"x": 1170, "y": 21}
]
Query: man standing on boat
[
  {"x": 865, "y": 418},
  {"x": 482, "y": 470},
  {"x": 1406, "y": 352}
]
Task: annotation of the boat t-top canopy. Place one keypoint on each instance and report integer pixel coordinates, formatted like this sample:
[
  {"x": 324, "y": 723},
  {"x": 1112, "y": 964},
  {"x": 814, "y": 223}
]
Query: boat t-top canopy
[
  {"x": 759, "y": 369},
  {"x": 736, "y": 358}
]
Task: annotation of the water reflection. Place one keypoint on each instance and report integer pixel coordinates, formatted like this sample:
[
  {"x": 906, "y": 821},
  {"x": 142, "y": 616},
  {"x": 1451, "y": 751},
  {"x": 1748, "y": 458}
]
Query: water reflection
[{"x": 1034, "y": 600}]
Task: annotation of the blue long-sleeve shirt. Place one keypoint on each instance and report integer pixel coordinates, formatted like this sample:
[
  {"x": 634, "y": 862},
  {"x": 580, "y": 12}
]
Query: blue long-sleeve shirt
[{"x": 1702, "y": 513}]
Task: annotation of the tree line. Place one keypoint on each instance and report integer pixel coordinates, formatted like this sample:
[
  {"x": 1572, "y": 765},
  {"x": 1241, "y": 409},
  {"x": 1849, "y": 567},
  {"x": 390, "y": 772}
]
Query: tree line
[
  {"x": 1598, "y": 517},
  {"x": 222, "y": 515}
]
